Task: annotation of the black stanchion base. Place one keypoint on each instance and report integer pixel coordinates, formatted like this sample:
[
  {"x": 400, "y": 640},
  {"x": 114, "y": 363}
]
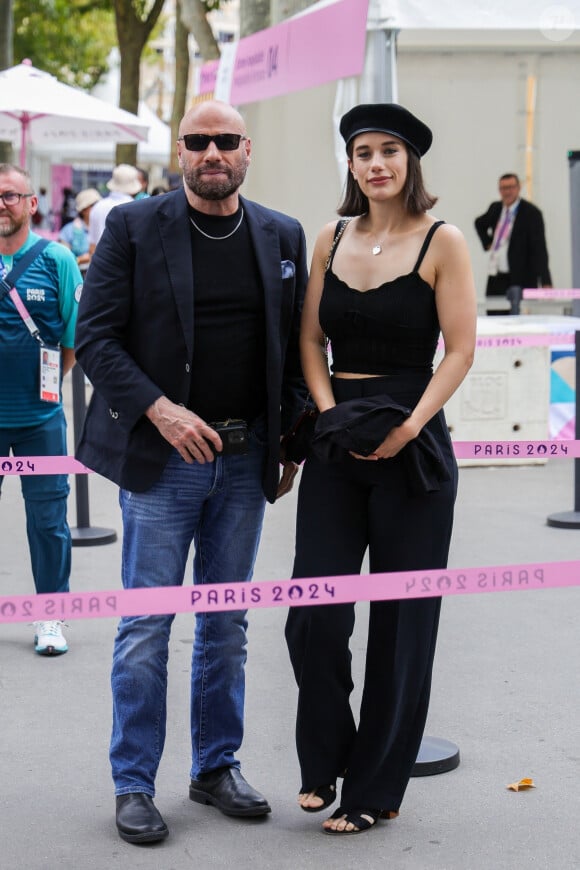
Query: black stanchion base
[
  {"x": 565, "y": 520},
  {"x": 92, "y": 536},
  {"x": 435, "y": 756}
]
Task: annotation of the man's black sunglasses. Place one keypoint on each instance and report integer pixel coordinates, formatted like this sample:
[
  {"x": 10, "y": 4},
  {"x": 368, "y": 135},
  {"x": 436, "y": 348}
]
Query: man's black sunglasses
[{"x": 200, "y": 141}]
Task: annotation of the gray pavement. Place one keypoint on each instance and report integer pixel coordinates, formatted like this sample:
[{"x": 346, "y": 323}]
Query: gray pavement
[{"x": 505, "y": 691}]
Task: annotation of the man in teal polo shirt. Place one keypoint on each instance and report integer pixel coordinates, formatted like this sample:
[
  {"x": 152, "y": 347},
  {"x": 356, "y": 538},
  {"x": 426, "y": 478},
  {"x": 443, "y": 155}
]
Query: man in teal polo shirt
[{"x": 32, "y": 421}]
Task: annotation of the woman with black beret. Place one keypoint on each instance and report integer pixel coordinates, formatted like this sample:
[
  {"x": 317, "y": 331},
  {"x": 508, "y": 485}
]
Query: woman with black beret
[{"x": 385, "y": 284}]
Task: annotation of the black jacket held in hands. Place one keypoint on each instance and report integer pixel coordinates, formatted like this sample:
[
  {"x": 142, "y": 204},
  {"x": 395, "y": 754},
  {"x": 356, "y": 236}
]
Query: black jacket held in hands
[{"x": 361, "y": 425}]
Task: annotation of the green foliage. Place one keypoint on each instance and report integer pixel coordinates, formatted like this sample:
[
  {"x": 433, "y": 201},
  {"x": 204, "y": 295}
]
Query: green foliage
[
  {"x": 212, "y": 5},
  {"x": 69, "y": 38},
  {"x": 142, "y": 8}
]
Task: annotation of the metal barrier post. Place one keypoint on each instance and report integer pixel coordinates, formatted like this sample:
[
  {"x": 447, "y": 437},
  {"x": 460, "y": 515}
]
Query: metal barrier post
[
  {"x": 84, "y": 535},
  {"x": 514, "y": 297},
  {"x": 571, "y": 519},
  {"x": 435, "y": 756}
]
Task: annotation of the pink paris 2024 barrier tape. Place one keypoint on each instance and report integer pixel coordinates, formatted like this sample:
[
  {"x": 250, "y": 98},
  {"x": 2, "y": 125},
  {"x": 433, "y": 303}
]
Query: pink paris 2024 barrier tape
[
  {"x": 568, "y": 449},
  {"x": 320, "y": 590},
  {"x": 326, "y": 590},
  {"x": 463, "y": 449}
]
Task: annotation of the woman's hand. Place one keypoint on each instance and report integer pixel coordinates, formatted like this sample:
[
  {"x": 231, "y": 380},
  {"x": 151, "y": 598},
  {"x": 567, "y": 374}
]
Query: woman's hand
[{"x": 394, "y": 442}]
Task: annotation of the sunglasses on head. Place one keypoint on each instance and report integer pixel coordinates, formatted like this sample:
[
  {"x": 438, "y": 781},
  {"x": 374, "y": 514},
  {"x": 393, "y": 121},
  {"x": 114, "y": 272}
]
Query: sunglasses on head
[{"x": 201, "y": 141}]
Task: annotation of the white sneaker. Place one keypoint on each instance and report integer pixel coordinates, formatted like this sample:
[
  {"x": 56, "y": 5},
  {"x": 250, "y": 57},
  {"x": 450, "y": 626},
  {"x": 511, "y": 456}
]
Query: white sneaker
[{"x": 49, "y": 639}]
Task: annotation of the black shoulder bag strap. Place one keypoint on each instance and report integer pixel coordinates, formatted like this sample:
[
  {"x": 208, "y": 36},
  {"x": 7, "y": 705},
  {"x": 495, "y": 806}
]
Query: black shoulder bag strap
[{"x": 338, "y": 231}]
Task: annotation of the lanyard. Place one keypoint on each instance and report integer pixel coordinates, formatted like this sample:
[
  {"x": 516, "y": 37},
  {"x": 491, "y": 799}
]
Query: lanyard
[
  {"x": 7, "y": 283},
  {"x": 504, "y": 228}
]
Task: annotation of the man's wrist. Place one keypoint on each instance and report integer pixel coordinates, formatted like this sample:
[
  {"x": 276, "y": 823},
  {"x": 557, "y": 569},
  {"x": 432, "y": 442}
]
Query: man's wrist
[{"x": 157, "y": 409}]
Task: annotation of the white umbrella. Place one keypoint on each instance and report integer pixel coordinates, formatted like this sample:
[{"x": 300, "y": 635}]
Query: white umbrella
[
  {"x": 157, "y": 149},
  {"x": 36, "y": 107}
]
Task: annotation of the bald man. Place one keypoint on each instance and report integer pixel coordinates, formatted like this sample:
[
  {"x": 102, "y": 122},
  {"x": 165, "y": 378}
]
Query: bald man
[{"x": 188, "y": 331}]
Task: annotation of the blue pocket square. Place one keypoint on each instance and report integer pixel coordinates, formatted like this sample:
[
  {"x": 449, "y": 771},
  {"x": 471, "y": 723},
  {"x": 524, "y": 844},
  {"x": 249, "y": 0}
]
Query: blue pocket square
[{"x": 288, "y": 269}]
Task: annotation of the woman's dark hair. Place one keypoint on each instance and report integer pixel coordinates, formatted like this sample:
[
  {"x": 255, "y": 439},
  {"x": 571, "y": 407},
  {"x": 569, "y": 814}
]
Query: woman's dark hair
[{"x": 417, "y": 200}]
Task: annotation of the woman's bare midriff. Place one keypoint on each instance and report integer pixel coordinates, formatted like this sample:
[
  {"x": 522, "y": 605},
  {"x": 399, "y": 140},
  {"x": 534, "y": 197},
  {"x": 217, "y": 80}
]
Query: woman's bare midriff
[{"x": 353, "y": 376}]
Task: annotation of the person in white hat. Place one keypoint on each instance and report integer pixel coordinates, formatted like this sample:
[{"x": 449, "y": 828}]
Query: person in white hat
[
  {"x": 123, "y": 184},
  {"x": 75, "y": 234}
]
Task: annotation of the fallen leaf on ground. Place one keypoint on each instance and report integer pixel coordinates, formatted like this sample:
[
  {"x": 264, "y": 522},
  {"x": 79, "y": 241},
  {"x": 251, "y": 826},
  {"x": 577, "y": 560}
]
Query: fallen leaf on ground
[{"x": 522, "y": 784}]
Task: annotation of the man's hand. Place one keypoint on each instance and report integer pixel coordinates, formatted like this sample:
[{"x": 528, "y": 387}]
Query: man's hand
[
  {"x": 289, "y": 471},
  {"x": 184, "y": 430}
]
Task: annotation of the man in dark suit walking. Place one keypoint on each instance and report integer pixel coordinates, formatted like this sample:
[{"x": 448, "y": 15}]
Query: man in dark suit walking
[
  {"x": 512, "y": 230},
  {"x": 188, "y": 331}
]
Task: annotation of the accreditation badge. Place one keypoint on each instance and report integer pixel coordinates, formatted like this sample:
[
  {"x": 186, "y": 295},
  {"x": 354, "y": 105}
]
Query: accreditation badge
[{"x": 50, "y": 374}]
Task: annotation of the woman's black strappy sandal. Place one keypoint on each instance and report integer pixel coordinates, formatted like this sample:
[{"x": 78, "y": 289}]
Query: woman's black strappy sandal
[
  {"x": 362, "y": 819},
  {"x": 326, "y": 793}
]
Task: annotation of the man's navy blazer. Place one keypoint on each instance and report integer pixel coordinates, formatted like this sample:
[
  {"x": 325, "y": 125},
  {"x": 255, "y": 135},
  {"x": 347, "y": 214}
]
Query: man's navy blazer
[
  {"x": 134, "y": 337},
  {"x": 527, "y": 251}
]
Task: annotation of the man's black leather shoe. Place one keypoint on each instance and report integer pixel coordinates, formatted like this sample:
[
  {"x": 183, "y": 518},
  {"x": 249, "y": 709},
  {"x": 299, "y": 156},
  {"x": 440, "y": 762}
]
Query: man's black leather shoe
[
  {"x": 138, "y": 819},
  {"x": 226, "y": 789}
]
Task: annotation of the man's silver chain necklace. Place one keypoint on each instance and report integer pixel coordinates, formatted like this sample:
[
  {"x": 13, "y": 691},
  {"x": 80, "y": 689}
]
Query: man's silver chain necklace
[{"x": 219, "y": 238}]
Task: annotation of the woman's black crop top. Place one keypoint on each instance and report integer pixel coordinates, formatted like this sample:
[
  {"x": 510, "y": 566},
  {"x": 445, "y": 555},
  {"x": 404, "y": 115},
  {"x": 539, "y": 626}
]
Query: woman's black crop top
[{"x": 387, "y": 328}]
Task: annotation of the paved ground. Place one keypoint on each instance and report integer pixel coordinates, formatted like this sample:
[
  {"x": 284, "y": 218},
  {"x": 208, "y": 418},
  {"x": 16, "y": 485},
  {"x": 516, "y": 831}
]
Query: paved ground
[{"x": 505, "y": 691}]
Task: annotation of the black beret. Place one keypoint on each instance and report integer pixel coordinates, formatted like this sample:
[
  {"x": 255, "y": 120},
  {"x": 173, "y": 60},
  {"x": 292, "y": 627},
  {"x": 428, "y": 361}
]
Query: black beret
[{"x": 387, "y": 118}]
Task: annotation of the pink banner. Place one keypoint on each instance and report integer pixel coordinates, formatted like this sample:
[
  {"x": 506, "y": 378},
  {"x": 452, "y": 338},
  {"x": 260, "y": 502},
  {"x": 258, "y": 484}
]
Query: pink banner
[
  {"x": 289, "y": 593},
  {"x": 61, "y": 177},
  {"x": 207, "y": 77},
  {"x": 315, "y": 48}
]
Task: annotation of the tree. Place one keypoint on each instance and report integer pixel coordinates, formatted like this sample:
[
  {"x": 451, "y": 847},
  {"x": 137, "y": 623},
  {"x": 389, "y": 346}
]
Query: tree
[
  {"x": 5, "y": 34},
  {"x": 181, "y": 80},
  {"x": 194, "y": 17},
  {"x": 191, "y": 17},
  {"x": 71, "y": 39},
  {"x": 134, "y": 19},
  {"x": 5, "y": 61},
  {"x": 254, "y": 16}
]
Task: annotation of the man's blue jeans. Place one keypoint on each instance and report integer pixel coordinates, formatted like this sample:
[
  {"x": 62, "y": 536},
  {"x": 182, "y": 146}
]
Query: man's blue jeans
[
  {"x": 45, "y": 500},
  {"x": 220, "y": 507}
]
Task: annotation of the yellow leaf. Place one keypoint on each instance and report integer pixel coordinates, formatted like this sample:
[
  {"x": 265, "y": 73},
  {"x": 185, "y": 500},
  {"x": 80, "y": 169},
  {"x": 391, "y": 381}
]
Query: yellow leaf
[{"x": 522, "y": 784}]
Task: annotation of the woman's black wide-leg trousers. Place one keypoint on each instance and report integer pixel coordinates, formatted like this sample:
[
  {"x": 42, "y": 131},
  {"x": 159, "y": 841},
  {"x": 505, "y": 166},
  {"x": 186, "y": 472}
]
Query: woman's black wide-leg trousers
[{"x": 343, "y": 509}]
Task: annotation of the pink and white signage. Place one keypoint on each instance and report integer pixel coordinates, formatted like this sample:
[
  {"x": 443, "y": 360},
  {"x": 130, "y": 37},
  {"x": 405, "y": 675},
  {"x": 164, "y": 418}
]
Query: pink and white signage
[{"x": 306, "y": 51}]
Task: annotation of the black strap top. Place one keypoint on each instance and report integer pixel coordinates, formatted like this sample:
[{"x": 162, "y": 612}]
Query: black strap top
[{"x": 387, "y": 328}]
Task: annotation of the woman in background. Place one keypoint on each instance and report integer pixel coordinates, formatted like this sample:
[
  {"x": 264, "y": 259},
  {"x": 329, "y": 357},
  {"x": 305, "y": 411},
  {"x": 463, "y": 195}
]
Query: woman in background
[{"x": 75, "y": 234}]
